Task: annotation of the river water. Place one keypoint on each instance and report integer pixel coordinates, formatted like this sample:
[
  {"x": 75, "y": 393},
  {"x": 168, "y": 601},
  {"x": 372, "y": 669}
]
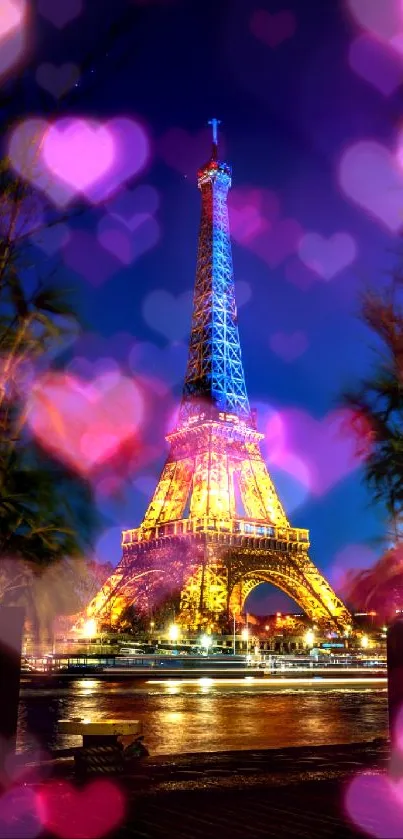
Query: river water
[{"x": 209, "y": 715}]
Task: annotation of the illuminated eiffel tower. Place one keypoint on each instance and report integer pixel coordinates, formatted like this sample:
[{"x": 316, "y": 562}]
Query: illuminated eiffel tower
[{"x": 215, "y": 528}]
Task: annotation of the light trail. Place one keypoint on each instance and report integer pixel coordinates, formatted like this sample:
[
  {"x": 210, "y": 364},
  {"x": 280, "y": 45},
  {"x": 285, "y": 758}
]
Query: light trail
[{"x": 268, "y": 682}]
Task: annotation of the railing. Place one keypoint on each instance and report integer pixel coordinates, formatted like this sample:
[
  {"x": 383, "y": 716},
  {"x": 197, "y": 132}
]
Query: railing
[{"x": 237, "y": 527}]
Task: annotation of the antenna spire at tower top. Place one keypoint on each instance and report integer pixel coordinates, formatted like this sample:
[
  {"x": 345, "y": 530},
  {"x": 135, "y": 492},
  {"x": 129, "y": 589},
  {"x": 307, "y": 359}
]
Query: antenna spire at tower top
[{"x": 214, "y": 124}]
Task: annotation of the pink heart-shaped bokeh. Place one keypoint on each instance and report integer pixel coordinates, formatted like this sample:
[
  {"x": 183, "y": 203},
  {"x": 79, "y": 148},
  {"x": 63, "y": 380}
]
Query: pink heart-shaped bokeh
[
  {"x": 256, "y": 224},
  {"x": 371, "y": 177},
  {"x": 78, "y": 153},
  {"x": 77, "y": 157},
  {"x": 376, "y": 63},
  {"x": 11, "y": 17},
  {"x": 252, "y": 212},
  {"x": 13, "y": 20},
  {"x": 375, "y": 804},
  {"x": 289, "y": 345},
  {"x": 273, "y": 29},
  {"x": 133, "y": 151},
  {"x": 327, "y": 257},
  {"x": 327, "y": 447},
  {"x": 86, "y": 813},
  {"x": 84, "y": 423},
  {"x": 384, "y": 20}
]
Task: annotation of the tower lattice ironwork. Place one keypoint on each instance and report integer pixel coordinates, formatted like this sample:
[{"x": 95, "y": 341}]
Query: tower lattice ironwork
[{"x": 215, "y": 527}]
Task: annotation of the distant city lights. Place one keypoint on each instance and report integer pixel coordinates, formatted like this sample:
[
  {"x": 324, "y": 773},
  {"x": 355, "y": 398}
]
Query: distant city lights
[
  {"x": 173, "y": 632},
  {"x": 309, "y": 638},
  {"x": 89, "y": 628}
]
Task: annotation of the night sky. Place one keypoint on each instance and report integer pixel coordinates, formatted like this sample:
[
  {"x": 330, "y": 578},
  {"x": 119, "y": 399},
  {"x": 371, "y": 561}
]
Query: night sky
[{"x": 310, "y": 102}]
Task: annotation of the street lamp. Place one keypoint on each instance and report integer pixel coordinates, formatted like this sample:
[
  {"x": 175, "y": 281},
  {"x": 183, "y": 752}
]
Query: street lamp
[
  {"x": 206, "y": 641},
  {"x": 364, "y": 642},
  {"x": 90, "y": 628},
  {"x": 309, "y": 638},
  {"x": 245, "y": 637},
  {"x": 173, "y": 632}
]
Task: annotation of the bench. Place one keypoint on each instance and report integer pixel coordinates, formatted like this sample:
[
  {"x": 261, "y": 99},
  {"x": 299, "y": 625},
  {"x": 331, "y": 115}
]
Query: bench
[
  {"x": 102, "y": 752},
  {"x": 102, "y": 733}
]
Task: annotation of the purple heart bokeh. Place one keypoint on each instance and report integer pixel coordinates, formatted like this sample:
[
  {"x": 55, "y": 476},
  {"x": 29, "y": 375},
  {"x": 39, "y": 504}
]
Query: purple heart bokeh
[
  {"x": 371, "y": 177},
  {"x": 132, "y": 206},
  {"x": 132, "y": 153},
  {"x": 115, "y": 152},
  {"x": 351, "y": 558},
  {"x": 298, "y": 274},
  {"x": 374, "y": 62},
  {"x": 83, "y": 368},
  {"x": 57, "y": 80},
  {"x": 125, "y": 245},
  {"x": 169, "y": 314},
  {"x": 289, "y": 346},
  {"x": 256, "y": 224},
  {"x": 252, "y": 212},
  {"x": 383, "y": 20},
  {"x": 94, "y": 346},
  {"x": 327, "y": 446},
  {"x": 375, "y": 804},
  {"x": 84, "y": 254},
  {"x": 60, "y": 13},
  {"x": 19, "y": 814},
  {"x": 278, "y": 243},
  {"x": 13, "y": 31},
  {"x": 273, "y": 29},
  {"x": 327, "y": 257}
]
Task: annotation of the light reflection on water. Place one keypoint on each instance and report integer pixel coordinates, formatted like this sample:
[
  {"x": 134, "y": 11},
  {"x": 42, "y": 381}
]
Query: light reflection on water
[{"x": 210, "y": 715}]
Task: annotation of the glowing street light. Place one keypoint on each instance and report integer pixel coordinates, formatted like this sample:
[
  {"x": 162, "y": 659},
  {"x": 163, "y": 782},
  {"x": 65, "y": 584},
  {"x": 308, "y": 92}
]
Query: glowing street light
[
  {"x": 206, "y": 641},
  {"x": 90, "y": 628},
  {"x": 309, "y": 638},
  {"x": 173, "y": 632},
  {"x": 245, "y": 637},
  {"x": 364, "y": 641}
]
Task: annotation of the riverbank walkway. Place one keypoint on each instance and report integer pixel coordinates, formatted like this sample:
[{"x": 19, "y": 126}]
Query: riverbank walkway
[{"x": 270, "y": 794}]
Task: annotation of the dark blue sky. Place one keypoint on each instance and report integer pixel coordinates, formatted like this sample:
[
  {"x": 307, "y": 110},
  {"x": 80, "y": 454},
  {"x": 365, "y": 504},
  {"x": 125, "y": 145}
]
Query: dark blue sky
[{"x": 290, "y": 105}]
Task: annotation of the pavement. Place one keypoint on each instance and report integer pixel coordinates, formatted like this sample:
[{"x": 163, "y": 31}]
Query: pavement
[
  {"x": 260, "y": 794},
  {"x": 268, "y": 794}
]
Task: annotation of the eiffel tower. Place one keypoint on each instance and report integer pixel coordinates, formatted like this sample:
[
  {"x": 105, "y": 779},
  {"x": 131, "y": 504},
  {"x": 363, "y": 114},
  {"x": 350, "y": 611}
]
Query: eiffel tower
[{"x": 215, "y": 527}]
